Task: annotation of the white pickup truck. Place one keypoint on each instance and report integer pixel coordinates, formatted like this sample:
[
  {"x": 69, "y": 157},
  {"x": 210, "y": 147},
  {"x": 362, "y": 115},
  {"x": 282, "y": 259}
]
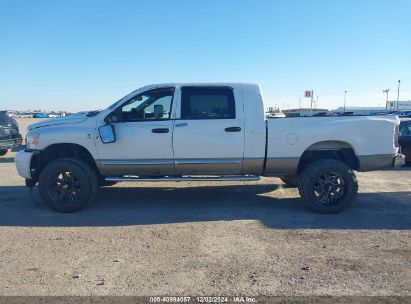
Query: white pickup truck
[{"x": 201, "y": 132}]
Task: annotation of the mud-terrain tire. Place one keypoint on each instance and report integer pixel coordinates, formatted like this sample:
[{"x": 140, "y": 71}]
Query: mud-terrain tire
[
  {"x": 328, "y": 186},
  {"x": 68, "y": 185},
  {"x": 3, "y": 152},
  {"x": 290, "y": 181}
]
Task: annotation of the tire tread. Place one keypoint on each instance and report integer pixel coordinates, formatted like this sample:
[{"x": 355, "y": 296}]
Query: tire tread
[
  {"x": 92, "y": 177},
  {"x": 327, "y": 164}
]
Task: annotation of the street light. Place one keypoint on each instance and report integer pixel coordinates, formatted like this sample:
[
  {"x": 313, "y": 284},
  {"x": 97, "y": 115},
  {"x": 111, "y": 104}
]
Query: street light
[
  {"x": 398, "y": 93},
  {"x": 345, "y": 96},
  {"x": 386, "y": 101}
]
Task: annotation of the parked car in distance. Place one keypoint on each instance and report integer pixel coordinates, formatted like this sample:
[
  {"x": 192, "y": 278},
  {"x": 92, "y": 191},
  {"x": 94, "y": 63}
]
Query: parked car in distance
[
  {"x": 275, "y": 115},
  {"x": 322, "y": 114},
  {"x": 41, "y": 115},
  {"x": 204, "y": 132},
  {"x": 405, "y": 114},
  {"x": 405, "y": 139},
  {"x": 9, "y": 133}
]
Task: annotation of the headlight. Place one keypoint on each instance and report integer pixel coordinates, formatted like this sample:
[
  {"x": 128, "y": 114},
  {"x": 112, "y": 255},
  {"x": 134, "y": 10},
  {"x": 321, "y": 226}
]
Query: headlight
[{"x": 32, "y": 139}]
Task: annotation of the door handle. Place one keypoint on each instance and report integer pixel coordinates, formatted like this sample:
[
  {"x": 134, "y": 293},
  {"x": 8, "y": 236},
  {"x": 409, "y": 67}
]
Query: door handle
[
  {"x": 233, "y": 129},
  {"x": 160, "y": 130},
  {"x": 181, "y": 124}
]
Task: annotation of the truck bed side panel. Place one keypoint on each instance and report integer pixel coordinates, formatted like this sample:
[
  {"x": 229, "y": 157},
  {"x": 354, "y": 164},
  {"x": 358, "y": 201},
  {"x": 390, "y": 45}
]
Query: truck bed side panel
[{"x": 288, "y": 138}]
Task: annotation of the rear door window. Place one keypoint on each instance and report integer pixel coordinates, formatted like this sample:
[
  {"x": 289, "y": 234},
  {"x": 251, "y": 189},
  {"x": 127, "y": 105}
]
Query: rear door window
[{"x": 207, "y": 103}]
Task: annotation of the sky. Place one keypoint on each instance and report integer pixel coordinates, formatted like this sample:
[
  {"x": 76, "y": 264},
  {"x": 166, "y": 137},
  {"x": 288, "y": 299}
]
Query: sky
[{"x": 78, "y": 55}]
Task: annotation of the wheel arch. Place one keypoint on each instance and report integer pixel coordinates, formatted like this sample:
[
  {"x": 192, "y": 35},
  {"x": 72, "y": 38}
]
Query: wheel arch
[
  {"x": 329, "y": 149},
  {"x": 60, "y": 150}
]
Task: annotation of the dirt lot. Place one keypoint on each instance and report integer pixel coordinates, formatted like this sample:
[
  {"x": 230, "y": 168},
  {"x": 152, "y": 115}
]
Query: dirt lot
[{"x": 214, "y": 239}]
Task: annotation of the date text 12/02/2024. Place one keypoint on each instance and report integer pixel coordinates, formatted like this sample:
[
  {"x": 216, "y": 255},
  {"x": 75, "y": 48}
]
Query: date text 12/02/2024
[{"x": 202, "y": 299}]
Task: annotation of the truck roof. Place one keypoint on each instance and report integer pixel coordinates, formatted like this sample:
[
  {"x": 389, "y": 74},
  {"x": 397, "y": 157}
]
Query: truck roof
[
  {"x": 248, "y": 86},
  {"x": 199, "y": 84}
]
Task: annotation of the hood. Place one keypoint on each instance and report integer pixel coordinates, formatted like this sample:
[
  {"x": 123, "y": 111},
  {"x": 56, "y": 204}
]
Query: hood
[{"x": 71, "y": 119}]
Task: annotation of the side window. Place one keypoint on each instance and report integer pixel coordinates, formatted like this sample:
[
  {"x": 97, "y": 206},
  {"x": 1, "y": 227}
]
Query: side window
[
  {"x": 207, "y": 103},
  {"x": 405, "y": 129},
  {"x": 150, "y": 105}
]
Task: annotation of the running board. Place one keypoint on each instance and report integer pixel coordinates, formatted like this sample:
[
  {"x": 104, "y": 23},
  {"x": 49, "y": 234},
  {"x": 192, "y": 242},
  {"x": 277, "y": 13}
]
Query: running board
[{"x": 234, "y": 178}]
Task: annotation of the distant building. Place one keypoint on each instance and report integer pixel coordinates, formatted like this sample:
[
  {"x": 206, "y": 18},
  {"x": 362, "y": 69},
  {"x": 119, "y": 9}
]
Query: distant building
[
  {"x": 402, "y": 105},
  {"x": 361, "y": 110},
  {"x": 304, "y": 112}
]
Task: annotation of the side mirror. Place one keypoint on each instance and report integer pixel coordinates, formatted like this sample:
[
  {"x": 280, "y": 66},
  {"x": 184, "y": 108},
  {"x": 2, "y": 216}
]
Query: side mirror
[
  {"x": 107, "y": 134},
  {"x": 158, "y": 111}
]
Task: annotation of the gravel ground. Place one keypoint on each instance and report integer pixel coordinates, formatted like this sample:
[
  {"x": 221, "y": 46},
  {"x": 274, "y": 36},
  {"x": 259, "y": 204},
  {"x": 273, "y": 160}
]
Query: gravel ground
[{"x": 206, "y": 239}]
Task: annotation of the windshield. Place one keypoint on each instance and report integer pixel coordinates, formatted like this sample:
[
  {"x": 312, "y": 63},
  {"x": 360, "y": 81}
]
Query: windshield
[{"x": 122, "y": 99}]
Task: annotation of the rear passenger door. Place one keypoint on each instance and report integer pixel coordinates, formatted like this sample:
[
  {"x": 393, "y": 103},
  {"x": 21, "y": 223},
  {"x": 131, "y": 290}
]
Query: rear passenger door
[{"x": 208, "y": 137}]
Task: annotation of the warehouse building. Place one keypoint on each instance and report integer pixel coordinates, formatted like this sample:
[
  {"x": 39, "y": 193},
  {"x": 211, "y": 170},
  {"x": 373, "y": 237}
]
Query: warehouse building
[{"x": 402, "y": 105}]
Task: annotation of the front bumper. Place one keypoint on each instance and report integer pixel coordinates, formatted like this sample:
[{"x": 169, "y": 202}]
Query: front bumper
[
  {"x": 23, "y": 163},
  {"x": 6, "y": 144}
]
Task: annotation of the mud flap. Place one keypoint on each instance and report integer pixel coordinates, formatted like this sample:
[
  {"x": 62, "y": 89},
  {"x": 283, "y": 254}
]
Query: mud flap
[{"x": 30, "y": 183}]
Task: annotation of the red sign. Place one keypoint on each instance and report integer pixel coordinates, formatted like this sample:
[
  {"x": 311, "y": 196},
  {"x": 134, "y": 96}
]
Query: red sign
[{"x": 307, "y": 93}]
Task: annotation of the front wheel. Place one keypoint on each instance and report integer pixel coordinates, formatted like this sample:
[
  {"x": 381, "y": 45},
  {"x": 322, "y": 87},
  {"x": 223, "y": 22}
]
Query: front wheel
[
  {"x": 67, "y": 185},
  {"x": 328, "y": 186}
]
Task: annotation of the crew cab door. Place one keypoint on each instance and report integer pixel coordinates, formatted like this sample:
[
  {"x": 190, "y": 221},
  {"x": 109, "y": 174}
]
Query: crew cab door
[
  {"x": 143, "y": 127},
  {"x": 209, "y": 134}
]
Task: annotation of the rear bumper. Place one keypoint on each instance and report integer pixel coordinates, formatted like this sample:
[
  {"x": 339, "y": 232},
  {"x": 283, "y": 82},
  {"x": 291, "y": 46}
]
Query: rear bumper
[
  {"x": 23, "y": 163},
  {"x": 6, "y": 144},
  {"x": 399, "y": 160},
  {"x": 378, "y": 162}
]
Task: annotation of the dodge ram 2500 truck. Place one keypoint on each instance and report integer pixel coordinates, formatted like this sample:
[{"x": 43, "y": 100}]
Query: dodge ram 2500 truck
[{"x": 202, "y": 132}]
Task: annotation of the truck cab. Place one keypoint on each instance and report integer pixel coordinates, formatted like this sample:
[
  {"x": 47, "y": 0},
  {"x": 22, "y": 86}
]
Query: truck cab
[{"x": 184, "y": 130}]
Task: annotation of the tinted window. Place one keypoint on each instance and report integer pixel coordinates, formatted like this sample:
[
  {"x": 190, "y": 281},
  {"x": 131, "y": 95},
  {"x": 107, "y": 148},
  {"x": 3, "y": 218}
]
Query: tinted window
[
  {"x": 6, "y": 119},
  {"x": 207, "y": 103},
  {"x": 151, "y": 105},
  {"x": 405, "y": 129}
]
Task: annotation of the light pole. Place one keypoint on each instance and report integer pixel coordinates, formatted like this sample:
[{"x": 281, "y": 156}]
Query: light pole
[
  {"x": 345, "y": 97},
  {"x": 386, "y": 101},
  {"x": 398, "y": 93},
  {"x": 312, "y": 99}
]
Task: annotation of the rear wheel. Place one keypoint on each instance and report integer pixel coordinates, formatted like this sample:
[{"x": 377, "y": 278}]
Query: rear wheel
[
  {"x": 290, "y": 181},
  {"x": 328, "y": 186},
  {"x": 67, "y": 185},
  {"x": 3, "y": 152}
]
